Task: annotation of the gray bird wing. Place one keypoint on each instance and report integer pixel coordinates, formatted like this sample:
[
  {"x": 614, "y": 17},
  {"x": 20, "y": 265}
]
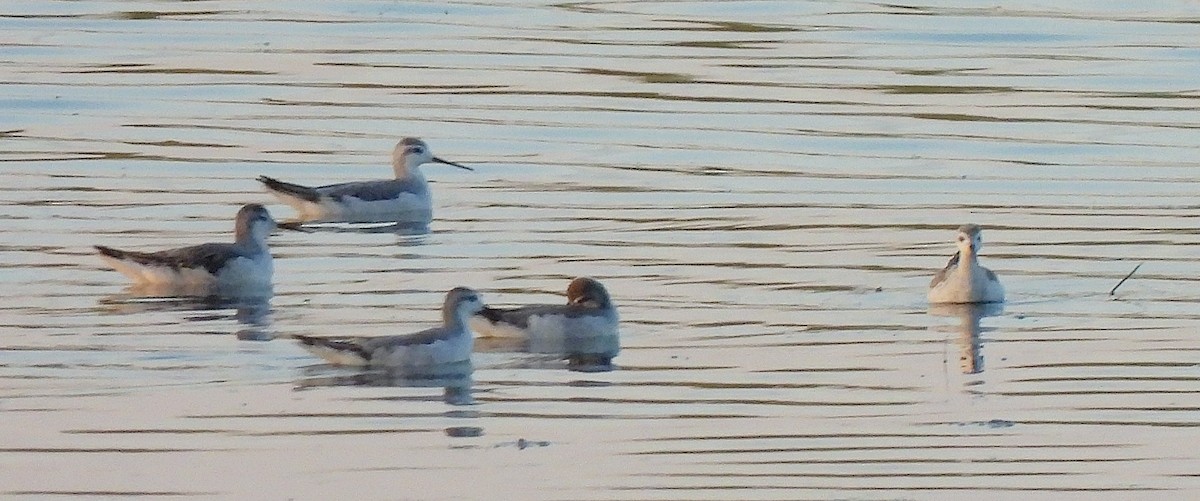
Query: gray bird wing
[
  {"x": 366, "y": 347},
  {"x": 371, "y": 191},
  {"x": 427, "y": 336},
  {"x": 340, "y": 344},
  {"x": 941, "y": 275},
  {"x": 520, "y": 316},
  {"x": 212, "y": 257},
  {"x": 295, "y": 190}
]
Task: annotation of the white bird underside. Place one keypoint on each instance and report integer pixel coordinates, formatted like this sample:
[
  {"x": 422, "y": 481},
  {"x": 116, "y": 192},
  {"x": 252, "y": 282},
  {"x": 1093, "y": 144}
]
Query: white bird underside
[
  {"x": 553, "y": 333},
  {"x": 438, "y": 353},
  {"x": 237, "y": 272},
  {"x": 967, "y": 284},
  {"x": 406, "y": 208}
]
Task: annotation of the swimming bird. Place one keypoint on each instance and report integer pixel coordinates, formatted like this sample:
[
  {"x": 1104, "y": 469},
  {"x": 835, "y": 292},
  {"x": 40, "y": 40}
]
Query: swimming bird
[
  {"x": 244, "y": 264},
  {"x": 584, "y": 330},
  {"x": 451, "y": 343},
  {"x": 403, "y": 199},
  {"x": 963, "y": 280}
]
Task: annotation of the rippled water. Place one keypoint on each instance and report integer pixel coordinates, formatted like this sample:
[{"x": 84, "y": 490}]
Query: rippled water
[{"x": 764, "y": 186}]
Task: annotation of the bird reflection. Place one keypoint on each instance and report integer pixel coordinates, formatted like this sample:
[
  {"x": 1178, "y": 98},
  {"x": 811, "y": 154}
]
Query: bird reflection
[
  {"x": 969, "y": 315},
  {"x": 454, "y": 379},
  {"x": 251, "y": 312}
]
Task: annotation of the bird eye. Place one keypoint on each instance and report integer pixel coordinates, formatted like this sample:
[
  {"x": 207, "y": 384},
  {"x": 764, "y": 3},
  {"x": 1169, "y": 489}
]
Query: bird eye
[{"x": 417, "y": 150}]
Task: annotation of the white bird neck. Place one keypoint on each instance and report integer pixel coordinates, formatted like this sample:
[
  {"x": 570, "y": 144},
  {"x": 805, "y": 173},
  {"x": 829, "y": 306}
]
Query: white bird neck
[
  {"x": 406, "y": 169},
  {"x": 967, "y": 258},
  {"x": 455, "y": 318},
  {"x": 253, "y": 238}
]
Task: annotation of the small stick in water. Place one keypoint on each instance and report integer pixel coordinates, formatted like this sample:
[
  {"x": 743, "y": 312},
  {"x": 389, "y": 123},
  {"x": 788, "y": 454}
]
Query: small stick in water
[{"x": 1135, "y": 269}]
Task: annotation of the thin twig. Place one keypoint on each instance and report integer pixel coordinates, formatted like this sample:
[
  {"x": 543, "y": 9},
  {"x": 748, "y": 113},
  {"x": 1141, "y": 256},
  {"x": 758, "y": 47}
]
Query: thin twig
[{"x": 1135, "y": 269}]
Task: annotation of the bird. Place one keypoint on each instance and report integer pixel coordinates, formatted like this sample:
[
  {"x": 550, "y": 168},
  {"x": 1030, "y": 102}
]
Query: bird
[
  {"x": 403, "y": 199},
  {"x": 963, "y": 280},
  {"x": 450, "y": 343},
  {"x": 584, "y": 330},
  {"x": 244, "y": 264}
]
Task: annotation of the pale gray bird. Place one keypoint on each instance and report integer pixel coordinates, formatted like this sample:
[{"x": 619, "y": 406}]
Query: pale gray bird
[
  {"x": 449, "y": 343},
  {"x": 584, "y": 330},
  {"x": 245, "y": 263},
  {"x": 405, "y": 198},
  {"x": 963, "y": 280}
]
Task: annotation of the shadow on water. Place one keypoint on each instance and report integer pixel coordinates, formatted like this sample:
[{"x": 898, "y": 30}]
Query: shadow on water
[
  {"x": 970, "y": 343},
  {"x": 454, "y": 378},
  {"x": 251, "y": 312}
]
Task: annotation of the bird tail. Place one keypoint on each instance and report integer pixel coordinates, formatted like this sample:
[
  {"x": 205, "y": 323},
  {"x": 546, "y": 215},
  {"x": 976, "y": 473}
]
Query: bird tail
[
  {"x": 111, "y": 252},
  {"x": 290, "y": 190},
  {"x": 135, "y": 265},
  {"x": 336, "y": 351},
  {"x": 124, "y": 256},
  {"x": 492, "y": 315}
]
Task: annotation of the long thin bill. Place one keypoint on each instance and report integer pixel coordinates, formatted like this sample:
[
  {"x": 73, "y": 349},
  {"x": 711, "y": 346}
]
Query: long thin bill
[
  {"x": 447, "y": 162},
  {"x": 293, "y": 226}
]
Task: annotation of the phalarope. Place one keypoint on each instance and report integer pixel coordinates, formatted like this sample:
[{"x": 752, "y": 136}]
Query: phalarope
[
  {"x": 451, "y": 343},
  {"x": 403, "y": 199},
  {"x": 963, "y": 280},
  {"x": 243, "y": 264},
  {"x": 584, "y": 330}
]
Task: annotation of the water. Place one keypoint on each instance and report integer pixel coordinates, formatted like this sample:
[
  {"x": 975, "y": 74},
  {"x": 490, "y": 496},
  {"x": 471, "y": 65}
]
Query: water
[{"x": 764, "y": 186}]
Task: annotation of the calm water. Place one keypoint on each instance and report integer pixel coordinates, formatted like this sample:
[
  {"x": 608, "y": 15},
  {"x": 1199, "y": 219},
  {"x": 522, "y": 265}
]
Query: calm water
[{"x": 765, "y": 187}]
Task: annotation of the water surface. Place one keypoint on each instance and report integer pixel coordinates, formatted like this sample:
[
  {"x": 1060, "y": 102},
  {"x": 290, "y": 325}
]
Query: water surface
[{"x": 764, "y": 186}]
